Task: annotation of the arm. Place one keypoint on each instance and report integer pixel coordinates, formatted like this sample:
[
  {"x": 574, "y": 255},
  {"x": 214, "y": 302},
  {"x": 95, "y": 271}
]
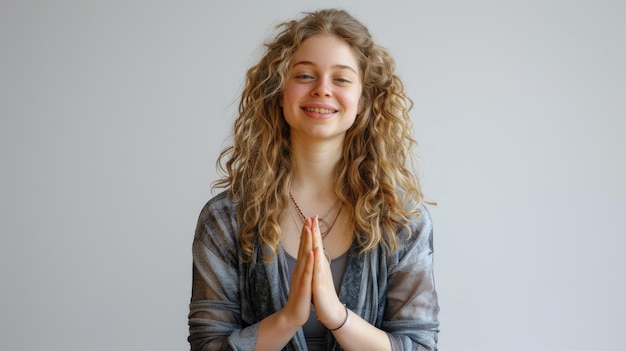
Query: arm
[
  {"x": 276, "y": 330},
  {"x": 356, "y": 333},
  {"x": 214, "y": 311},
  {"x": 411, "y": 314},
  {"x": 350, "y": 330},
  {"x": 410, "y": 319},
  {"x": 215, "y": 321}
]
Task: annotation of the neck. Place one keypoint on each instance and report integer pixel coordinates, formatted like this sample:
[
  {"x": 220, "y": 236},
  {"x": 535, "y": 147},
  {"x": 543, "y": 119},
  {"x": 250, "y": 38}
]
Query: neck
[{"x": 313, "y": 168}]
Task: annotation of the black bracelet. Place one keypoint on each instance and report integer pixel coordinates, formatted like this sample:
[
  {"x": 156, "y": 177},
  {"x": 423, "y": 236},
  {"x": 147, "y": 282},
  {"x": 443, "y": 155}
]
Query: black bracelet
[{"x": 344, "y": 321}]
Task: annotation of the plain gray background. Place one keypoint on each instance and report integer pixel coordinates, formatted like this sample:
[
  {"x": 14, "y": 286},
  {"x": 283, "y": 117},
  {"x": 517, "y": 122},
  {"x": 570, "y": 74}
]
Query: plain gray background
[{"x": 113, "y": 114}]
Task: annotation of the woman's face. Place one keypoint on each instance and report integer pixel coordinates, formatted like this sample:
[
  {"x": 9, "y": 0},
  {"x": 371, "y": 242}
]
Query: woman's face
[{"x": 321, "y": 97}]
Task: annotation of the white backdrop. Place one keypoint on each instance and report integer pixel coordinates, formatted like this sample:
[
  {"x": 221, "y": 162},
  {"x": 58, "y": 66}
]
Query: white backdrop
[{"x": 113, "y": 113}]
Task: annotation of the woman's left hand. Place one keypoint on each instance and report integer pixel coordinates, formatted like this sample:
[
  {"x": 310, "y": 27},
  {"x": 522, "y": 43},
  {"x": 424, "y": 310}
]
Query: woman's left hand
[{"x": 330, "y": 311}]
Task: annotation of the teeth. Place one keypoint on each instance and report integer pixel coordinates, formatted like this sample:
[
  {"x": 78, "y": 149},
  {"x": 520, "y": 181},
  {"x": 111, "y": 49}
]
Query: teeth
[{"x": 319, "y": 110}]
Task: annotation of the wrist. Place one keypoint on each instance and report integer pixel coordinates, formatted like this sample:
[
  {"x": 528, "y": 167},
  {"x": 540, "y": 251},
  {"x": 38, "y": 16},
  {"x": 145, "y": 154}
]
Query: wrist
[
  {"x": 286, "y": 321},
  {"x": 343, "y": 321}
]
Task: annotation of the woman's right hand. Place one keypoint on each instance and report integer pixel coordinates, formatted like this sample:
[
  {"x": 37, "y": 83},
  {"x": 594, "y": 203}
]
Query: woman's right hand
[
  {"x": 277, "y": 329},
  {"x": 298, "y": 306}
]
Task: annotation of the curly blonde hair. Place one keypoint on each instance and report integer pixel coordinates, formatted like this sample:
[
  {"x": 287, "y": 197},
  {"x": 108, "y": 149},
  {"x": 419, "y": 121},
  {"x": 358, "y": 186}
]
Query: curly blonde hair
[{"x": 376, "y": 180}]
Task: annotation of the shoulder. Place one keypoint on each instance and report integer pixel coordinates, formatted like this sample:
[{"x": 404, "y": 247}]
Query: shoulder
[
  {"x": 416, "y": 238},
  {"x": 422, "y": 222},
  {"x": 217, "y": 222},
  {"x": 221, "y": 205}
]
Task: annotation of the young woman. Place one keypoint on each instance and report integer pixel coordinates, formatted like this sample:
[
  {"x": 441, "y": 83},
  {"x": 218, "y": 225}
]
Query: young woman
[{"x": 320, "y": 240}]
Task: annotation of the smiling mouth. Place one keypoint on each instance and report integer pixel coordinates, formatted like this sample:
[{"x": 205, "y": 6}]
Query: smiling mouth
[{"x": 319, "y": 110}]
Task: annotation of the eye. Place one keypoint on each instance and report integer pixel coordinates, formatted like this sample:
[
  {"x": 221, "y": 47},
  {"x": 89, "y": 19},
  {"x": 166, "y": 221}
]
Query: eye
[
  {"x": 343, "y": 80},
  {"x": 304, "y": 76}
]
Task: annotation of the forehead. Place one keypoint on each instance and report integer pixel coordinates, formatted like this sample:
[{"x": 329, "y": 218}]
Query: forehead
[{"x": 325, "y": 51}]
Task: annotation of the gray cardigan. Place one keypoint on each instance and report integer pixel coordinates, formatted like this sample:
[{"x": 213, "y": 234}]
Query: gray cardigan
[{"x": 393, "y": 291}]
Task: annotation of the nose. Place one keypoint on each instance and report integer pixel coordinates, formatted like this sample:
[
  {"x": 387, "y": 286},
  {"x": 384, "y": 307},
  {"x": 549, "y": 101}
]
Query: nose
[{"x": 322, "y": 88}]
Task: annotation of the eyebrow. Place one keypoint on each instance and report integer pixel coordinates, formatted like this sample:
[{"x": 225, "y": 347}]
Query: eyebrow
[{"x": 309, "y": 63}]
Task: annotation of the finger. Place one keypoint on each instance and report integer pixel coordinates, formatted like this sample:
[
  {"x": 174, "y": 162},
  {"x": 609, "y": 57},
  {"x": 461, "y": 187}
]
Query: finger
[
  {"x": 317, "y": 235},
  {"x": 323, "y": 291},
  {"x": 304, "y": 251},
  {"x": 305, "y": 239},
  {"x": 317, "y": 238},
  {"x": 320, "y": 277},
  {"x": 318, "y": 262},
  {"x": 304, "y": 277},
  {"x": 298, "y": 304}
]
